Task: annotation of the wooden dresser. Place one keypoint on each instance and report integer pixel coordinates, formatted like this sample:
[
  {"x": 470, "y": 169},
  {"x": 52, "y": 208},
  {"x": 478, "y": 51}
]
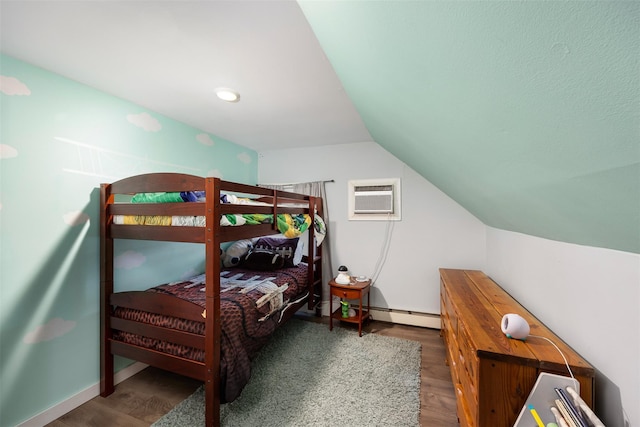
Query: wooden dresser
[{"x": 492, "y": 374}]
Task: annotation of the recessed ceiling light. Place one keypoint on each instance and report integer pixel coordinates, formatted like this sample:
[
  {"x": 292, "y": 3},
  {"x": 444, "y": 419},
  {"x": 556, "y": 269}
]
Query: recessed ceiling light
[{"x": 227, "y": 94}]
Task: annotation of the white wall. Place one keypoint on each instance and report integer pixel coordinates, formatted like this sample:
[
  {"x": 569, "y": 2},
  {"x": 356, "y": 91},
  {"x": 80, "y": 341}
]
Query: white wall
[
  {"x": 434, "y": 231},
  {"x": 588, "y": 296}
]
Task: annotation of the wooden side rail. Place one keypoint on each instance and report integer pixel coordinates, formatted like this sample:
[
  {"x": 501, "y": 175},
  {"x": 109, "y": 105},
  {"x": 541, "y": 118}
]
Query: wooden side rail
[
  {"x": 155, "y": 302},
  {"x": 179, "y": 365},
  {"x": 158, "y": 333}
]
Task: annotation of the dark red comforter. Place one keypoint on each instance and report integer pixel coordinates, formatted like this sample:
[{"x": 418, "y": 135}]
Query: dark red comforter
[{"x": 243, "y": 333}]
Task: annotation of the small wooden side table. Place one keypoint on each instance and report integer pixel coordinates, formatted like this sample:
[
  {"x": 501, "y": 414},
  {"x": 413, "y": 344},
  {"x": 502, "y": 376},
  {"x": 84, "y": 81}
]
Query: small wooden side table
[{"x": 353, "y": 291}]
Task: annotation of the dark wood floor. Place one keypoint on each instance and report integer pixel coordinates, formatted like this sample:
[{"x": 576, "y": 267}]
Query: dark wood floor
[{"x": 147, "y": 396}]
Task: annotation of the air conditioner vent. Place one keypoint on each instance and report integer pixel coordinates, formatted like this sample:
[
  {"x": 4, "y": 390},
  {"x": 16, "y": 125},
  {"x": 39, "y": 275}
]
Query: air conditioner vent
[{"x": 374, "y": 199}]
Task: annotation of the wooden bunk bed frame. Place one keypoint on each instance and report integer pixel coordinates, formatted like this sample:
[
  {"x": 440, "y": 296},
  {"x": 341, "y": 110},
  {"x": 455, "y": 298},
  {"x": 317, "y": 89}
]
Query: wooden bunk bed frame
[{"x": 212, "y": 235}]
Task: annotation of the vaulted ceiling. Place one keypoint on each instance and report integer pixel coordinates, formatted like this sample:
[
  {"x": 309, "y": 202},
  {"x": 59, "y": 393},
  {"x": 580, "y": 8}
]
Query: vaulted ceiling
[{"x": 525, "y": 113}]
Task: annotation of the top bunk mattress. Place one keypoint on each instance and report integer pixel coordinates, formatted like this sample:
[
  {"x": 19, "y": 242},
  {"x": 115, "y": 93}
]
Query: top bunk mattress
[{"x": 290, "y": 225}]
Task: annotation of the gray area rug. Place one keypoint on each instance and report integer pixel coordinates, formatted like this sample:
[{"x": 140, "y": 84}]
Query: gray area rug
[{"x": 308, "y": 376}]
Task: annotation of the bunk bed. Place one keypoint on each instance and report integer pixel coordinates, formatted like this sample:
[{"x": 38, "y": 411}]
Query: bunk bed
[{"x": 149, "y": 326}]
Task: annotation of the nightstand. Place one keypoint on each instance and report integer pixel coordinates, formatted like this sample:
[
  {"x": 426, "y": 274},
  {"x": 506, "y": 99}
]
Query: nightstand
[{"x": 353, "y": 291}]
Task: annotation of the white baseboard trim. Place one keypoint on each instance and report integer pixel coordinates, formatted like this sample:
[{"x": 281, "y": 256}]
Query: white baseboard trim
[
  {"x": 401, "y": 317},
  {"x": 76, "y": 400}
]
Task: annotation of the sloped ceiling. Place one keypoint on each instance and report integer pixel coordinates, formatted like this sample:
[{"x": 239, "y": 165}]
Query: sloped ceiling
[
  {"x": 170, "y": 55},
  {"x": 525, "y": 113}
]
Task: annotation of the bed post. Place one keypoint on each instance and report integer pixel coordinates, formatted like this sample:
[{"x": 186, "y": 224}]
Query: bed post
[
  {"x": 311, "y": 252},
  {"x": 106, "y": 289},
  {"x": 212, "y": 294},
  {"x": 314, "y": 273}
]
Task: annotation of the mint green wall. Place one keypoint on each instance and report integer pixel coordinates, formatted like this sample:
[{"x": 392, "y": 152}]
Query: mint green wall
[
  {"x": 58, "y": 141},
  {"x": 523, "y": 112}
]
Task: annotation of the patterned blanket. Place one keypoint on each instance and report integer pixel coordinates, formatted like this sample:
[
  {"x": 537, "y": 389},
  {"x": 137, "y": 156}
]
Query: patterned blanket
[
  {"x": 289, "y": 225},
  {"x": 248, "y": 319}
]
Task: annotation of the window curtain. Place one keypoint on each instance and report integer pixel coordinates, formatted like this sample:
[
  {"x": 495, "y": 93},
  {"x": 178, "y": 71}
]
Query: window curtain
[{"x": 316, "y": 189}]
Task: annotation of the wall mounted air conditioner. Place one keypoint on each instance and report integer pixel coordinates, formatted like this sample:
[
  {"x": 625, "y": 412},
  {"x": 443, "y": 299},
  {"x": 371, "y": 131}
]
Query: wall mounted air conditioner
[
  {"x": 377, "y": 199},
  {"x": 373, "y": 199}
]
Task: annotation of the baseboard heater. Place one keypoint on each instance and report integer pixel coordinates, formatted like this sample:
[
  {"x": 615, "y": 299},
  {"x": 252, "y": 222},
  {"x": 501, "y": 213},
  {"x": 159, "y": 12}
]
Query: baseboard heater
[
  {"x": 413, "y": 318},
  {"x": 403, "y": 317}
]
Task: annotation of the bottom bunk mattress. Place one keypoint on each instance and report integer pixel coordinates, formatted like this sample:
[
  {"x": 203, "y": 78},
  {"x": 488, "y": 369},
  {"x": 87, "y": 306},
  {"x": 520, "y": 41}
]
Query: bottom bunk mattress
[{"x": 252, "y": 305}]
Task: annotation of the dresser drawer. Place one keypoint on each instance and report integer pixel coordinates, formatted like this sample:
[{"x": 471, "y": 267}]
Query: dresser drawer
[
  {"x": 452, "y": 357},
  {"x": 468, "y": 358},
  {"x": 464, "y": 417},
  {"x": 448, "y": 309},
  {"x": 346, "y": 294},
  {"x": 445, "y": 322},
  {"x": 471, "y": 395}
]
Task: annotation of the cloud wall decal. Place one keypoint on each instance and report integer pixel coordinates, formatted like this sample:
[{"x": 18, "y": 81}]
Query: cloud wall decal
[
  {"x": 55, "y": 328},
  {"x": 145, "y": 121},
  {"x": 129, "y": 260},
  {"x": 205, "y": 139},
  {"x": 244, "y": 158},
  {"x": 12, "y": 86},
  {"x": 7, "y": 151}
]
